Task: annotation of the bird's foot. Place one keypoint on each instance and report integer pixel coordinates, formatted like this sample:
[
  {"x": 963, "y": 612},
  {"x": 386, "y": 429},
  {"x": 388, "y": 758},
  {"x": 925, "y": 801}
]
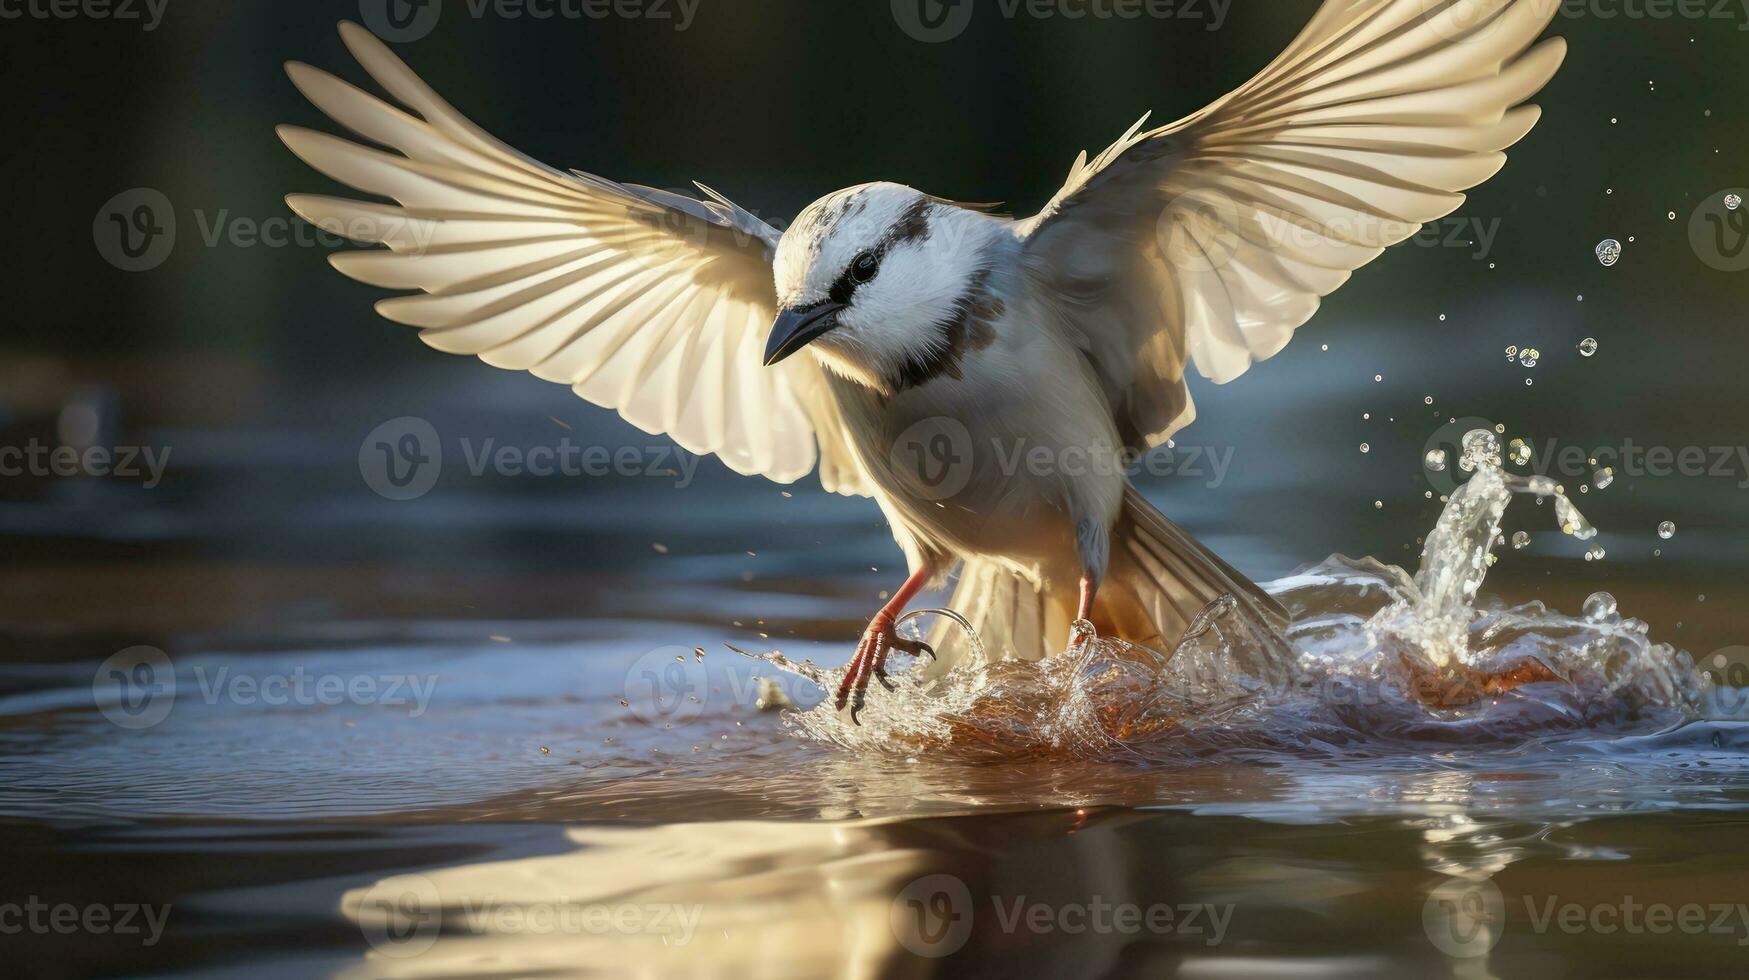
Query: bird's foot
[
  {"x": 880, "y": 639},
  {"x": 1081, "y": 633}
]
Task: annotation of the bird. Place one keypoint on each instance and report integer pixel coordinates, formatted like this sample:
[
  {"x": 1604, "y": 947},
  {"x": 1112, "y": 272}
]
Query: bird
[{"x": 983, "y": 378}]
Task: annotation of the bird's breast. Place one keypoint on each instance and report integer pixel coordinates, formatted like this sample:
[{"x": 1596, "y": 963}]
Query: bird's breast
[{"x": 1001, "y": 460}]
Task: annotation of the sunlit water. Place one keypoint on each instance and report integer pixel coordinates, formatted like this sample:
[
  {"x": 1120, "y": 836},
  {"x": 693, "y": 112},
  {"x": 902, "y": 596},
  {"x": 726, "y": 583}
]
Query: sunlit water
[
  {"x": 1374, "y": 659},
  {"x": 1315, "y": 799}
]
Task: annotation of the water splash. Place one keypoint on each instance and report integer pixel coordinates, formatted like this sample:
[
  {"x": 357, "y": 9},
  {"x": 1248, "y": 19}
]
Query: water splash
[{"x": 1373, "y": 655}]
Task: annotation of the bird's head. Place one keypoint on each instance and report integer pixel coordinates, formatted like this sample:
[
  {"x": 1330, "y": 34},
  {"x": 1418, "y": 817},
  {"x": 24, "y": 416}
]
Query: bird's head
[{"x": 874, "y": 281}]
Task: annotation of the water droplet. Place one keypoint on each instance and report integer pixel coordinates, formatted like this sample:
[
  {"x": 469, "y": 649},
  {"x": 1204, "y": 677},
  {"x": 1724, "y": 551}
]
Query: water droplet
[
  {"x": 1733, "y": 201},
  {"x": 1378, "y": 505},
  {"x": 1528, "y": 382},
  {"x": 1326, "y": 347},
  {"x": 1673, "y": 216},
  {"x": 1442, "y": 318},
  {"x": 1529, "y": 356},
  {"x": 1428, "y": 400},
  {"x": 1378, "y": 377},
  {"x": 1600, "y": 607},
  {"x": 1595, "y": 554},
  {"x": 1667, "y": 530},
  {"x": 1435, "y": 460},
  {"x": 1511, "y": 351},
  {"x": 1520, "y": 540},
  {"x": 1603, "y": 478},
  {"x": 1588, "y": 346},
  {"x": 1609, "y": 252},
  {"x": 1365, "y": 448},
  {"x": 1480, "y": 445},
  {"x": 1519, "y": 452}
]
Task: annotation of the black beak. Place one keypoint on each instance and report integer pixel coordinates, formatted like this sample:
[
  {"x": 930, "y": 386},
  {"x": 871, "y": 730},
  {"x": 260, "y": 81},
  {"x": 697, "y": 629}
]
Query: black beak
[{"x": 794, "y": 329}]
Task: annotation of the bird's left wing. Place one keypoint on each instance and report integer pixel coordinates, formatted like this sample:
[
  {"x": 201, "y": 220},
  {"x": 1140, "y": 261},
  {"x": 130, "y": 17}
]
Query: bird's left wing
[
  {"x": 1215, "y": 237},
  {"x": 649, "y": 302}
]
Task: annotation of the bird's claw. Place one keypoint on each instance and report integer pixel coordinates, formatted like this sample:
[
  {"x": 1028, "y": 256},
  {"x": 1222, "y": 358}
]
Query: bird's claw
[{"x": 879, "y": 641}]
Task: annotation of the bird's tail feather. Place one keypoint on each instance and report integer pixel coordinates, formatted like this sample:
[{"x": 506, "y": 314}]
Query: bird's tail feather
[
  {"x": 1168, "y": 577},
  {"x": 1159, "y": 579}
]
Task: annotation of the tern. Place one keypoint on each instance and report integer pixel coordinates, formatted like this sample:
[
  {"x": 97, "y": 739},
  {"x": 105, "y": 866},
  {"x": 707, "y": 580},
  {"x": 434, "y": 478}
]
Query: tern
[{"x": 983, "y": 378}]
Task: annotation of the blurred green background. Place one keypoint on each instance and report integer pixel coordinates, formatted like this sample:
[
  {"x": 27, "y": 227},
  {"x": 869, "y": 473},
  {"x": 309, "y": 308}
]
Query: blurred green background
[{"x": 263, "y": 369}]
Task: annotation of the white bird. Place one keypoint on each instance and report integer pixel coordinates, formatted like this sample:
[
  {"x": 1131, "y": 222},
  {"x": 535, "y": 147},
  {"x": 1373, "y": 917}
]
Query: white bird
[{"x": 976, "y": 375}]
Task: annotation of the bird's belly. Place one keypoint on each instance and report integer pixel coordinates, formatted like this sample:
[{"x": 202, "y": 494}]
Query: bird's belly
[{"x": 1006, "y": 476}]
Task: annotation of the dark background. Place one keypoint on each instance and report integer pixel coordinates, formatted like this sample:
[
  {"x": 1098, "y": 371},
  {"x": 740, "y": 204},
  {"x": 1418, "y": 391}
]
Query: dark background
[{"x": 262, "y": 369}]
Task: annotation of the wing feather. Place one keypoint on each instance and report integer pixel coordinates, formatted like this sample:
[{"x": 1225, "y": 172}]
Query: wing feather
[
  {"x": 649, "y": 302},
  {"x": 1230, "y": 225}
]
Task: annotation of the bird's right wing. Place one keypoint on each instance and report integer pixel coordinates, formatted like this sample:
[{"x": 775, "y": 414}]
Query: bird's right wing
[
  {"x": 649, "y": 302},
  {"x": 1214, "y": 238}
]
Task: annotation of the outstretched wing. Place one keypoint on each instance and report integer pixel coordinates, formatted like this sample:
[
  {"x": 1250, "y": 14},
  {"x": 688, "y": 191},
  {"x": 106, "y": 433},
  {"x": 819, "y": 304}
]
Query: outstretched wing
[
  {"x": 1215, "y": 237},
  {"x": 652, "y": 303}
]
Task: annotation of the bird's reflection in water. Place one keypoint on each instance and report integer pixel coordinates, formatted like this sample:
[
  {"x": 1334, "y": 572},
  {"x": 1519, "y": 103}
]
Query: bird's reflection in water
[{"x": 1427, "y": 875}]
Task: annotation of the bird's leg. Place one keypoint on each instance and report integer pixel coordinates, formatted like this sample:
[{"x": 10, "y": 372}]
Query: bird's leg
[
  {"x": 880, "y": 639},
  {"x": 1093, "y": 545},
  {"x": 1081, "y": 630},
  {"x": 1089, "y": 589}
]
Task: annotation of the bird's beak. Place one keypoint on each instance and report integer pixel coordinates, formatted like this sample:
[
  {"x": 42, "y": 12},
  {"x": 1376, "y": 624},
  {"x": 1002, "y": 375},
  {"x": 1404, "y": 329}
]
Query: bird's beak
[{"x": 793, "y": 329}]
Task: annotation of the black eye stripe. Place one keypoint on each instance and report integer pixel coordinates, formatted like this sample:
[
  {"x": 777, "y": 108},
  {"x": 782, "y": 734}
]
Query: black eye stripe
[
  {"x": 845, "y": 287},
  {"x": 912, "y": 226}
]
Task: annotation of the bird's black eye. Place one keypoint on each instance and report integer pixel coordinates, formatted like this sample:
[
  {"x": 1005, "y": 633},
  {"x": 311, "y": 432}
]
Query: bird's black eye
[{"x": 864, "y": 267}]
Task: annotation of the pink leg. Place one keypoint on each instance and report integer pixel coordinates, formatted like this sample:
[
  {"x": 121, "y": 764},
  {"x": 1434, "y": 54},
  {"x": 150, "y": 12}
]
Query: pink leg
[
  {"x": 1078, "y": 637},
  {"x": 880, "y": 639},
  {"x": 1089, "y": 588}
]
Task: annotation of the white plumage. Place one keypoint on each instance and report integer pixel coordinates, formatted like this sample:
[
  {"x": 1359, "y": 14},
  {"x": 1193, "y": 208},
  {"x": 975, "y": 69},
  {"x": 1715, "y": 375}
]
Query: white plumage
[{"x": 1209, "y": 240}]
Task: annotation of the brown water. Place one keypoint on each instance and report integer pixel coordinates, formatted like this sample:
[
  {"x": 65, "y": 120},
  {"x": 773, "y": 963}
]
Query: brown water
[
  {"x": 425, "y": 767},
  {"x": 490, "y": 807}
]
